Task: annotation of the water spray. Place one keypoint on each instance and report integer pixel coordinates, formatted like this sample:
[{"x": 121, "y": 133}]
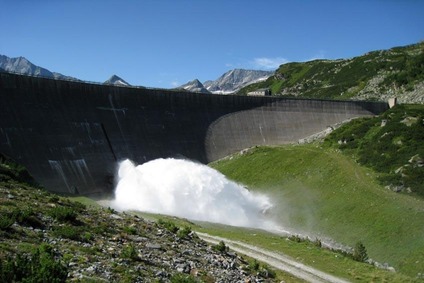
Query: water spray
[{"x": 190, "y": 190}]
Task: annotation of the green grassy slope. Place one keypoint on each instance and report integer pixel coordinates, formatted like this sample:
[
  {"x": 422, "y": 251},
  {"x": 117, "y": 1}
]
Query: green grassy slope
[
  {"x": 321, "y": 191},
  {"x": 392, "y": 72}
]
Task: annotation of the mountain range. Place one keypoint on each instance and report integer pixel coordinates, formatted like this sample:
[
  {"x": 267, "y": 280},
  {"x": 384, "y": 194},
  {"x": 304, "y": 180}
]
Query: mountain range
[
  {"x": 229, "y": 82},
  {"x": 377, "y": 75},
  {"x": 22, "y": 65}
]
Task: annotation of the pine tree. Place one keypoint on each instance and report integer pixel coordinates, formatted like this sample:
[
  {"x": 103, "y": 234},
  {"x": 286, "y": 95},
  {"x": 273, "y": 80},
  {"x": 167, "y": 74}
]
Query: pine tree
[{"x": 360, "y": 252}]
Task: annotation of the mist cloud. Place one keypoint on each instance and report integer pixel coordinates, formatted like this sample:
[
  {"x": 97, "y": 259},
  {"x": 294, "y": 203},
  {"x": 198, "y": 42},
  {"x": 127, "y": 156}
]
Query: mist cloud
[
  {"x": 269, "y": 63},
  {"x": 190, "y": 190}
]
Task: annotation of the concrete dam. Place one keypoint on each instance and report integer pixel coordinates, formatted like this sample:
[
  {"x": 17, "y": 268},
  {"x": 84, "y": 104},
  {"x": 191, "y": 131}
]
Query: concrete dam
[{"x": 70, "y": 135}]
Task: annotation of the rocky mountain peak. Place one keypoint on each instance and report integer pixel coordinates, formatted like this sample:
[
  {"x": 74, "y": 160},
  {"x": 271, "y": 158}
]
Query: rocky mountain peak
[
  {"x": 116, "y": 80},
  {"x": 21, "y": 65},
  {"x": 236, "y": 79},
  {"x": 195, "y": 86}
]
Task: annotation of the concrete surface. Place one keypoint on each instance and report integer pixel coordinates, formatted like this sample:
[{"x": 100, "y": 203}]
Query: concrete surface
[{"x": 70, "y": 135}]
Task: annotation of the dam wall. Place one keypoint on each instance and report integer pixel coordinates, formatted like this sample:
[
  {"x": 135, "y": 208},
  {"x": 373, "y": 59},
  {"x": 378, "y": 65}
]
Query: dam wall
[{"x": 70, "y": 135}]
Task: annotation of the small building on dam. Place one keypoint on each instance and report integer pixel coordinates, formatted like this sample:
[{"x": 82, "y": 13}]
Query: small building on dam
[{"x": 70, "y": 135}]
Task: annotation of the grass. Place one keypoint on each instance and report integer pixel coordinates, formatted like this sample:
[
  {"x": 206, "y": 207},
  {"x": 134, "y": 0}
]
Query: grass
[
  {"x": 323, "y": 192},
  {"x": 308, "y": 253},
  {"x": 304, "y": 251},
  {"x": 401, "y": 69},
  {"x": 327, "y": 194}
]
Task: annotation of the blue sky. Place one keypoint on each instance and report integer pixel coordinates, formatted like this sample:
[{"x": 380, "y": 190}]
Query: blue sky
[{"x": 166, "y": 43}]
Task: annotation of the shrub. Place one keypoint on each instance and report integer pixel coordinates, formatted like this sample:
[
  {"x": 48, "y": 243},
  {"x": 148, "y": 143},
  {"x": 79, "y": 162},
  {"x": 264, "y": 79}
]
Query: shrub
[
  {"x": 254, "y": 265},
  {"x": 111, "y": 210},
  {"x": 296, "y": 238},
  {"x": 169, "y": 225},
  {"x": 6, "y": 220},
  {"x": 68, "y": 232},
  {"x": 40, "y": 266},
  {"x": 130, "y": 252},
  {"x": 360, "y": 252},
  {"x": 220, "y": 247},
  {"x": 63, "y": 213},
  {"x": 130, "y": 230},
  {"x": 54, "y": 199},
  {"x": 27, "y": 217},
  {"x": 87, "y": 237},
  {"x": 318, "y": 243},
  {"x": 267, "y": 272},
  {"x": 184, "y": 232}
]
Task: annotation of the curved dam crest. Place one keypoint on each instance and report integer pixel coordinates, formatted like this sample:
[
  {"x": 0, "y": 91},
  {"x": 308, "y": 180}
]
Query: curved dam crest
[{"x": 70, "y": 134}]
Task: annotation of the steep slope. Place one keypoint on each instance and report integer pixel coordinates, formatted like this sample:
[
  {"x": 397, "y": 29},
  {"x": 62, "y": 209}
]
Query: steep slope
[
  {"x": 49, "y": 238},
  {"x": 364, "y": 182},
  {"x": 376, "y": 75},
  {"x": 391, "y": 144},
  {"x": 115, "y": 80},
  {"x": 320, "y": 192},
  {"x": 234, "y": 80},
  {"x": 22, "y": 65},
  {"x": 195, "y": 86}
]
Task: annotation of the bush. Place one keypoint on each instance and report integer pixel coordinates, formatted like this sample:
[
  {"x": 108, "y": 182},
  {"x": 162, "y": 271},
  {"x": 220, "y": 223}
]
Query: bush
[
  {"x": 360, "y": 252},
  {"x": 254, "y": 265},
  {"x": 169, "y": 225},
  {"x": 296, "y": 238},
  {"x": 318, "y": 243},
  {"x": 220, "y": 247},
  {"x": 27, "y": 217},
  {"x": 41, "y": 266},
  {"x": 87, "y": 237},
  {"x": 6, "y": 221},
  {"x": 184, "y": 232},
  {"x": 130, "y": 252},
  {"x": 267, "y": 272},
  {"x": 130, "y": 230},
  {"x": 63, "y": 213},
  {"x": 68, "y": 232}
]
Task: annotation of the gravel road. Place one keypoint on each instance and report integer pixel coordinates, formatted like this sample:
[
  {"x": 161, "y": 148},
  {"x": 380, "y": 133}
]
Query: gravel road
[{"x": 276, "y": 260}]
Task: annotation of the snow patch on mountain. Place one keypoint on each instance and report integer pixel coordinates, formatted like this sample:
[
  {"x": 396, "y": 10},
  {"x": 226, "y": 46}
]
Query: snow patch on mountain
[
  {"x": 116, "y": 80},
  {"x": 194, "y": 86},
  {"x": 234, "y": 80}
]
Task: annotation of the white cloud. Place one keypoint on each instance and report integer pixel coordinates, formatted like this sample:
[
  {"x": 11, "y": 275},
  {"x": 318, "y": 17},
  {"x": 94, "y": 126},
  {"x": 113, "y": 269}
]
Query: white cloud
[
  {"x": 175, "y": 83},
  {"x": 318, "y": 55},
  {"x": 269, "y": 63}
]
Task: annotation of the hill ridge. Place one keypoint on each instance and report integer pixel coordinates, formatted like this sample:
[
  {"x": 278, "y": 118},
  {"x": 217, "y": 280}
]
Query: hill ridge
[{"x": 376, "y": 75}]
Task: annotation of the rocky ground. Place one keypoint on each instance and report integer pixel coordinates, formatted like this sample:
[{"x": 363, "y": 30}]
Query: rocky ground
[{"x": 100, "y": 245}]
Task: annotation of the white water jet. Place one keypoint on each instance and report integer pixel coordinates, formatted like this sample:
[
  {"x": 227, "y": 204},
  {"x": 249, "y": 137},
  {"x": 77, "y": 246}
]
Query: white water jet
[{"x": 186, "y": 189}]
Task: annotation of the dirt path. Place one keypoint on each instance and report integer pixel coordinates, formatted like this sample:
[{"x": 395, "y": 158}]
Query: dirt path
[{"x": 276, "y": 260}]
